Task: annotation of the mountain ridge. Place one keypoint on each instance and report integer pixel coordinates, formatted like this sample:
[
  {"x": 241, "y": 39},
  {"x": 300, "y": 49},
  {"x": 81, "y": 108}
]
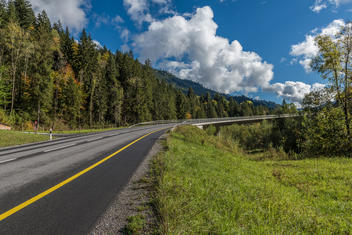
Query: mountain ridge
[{"x": 199, "y": 89}]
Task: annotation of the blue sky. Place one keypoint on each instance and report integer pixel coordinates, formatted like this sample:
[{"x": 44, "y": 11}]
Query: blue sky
[{"x": 273, "y": 38}]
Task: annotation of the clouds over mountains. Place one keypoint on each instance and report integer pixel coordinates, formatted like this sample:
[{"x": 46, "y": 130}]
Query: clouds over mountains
[
  {"x": 188, "y": 45},
  {"x": 191, "y": 49},
  {"x": 293, "y": 91}
]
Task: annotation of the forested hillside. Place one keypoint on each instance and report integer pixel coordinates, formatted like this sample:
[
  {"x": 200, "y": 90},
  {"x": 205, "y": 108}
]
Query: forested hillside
[
  {"x": 184, "y": 85},
  {"x": 47, "y": 75}
]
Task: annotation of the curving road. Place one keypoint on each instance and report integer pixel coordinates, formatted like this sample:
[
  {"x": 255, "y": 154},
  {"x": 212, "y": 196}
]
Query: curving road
[{"x": 63, "y": 186}]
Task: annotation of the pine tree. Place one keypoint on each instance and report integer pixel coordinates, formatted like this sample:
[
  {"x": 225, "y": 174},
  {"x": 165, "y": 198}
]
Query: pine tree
[
  {"x": 24, "y": 13},
  {"x": 181, "y": 105},
  {"x": 42, "y": 61},
  {"x": 3, "y": 13},
  {"x": 101, "y": 90}
]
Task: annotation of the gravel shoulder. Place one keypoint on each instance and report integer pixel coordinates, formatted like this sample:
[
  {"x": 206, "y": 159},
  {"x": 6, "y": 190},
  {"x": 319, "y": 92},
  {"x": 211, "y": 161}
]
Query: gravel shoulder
[{"x": 130, "y": 200}]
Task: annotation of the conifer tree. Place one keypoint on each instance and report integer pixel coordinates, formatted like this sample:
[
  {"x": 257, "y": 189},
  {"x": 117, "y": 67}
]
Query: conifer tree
[{"x": 24, "y": 13}]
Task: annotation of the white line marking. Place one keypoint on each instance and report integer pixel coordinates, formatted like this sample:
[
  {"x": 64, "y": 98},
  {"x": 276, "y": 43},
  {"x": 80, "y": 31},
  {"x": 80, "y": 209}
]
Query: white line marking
[
  {"x": 46, "y": 151},
  {"x": 8, "y": 160},
  {"x": 95, "y": 139}
]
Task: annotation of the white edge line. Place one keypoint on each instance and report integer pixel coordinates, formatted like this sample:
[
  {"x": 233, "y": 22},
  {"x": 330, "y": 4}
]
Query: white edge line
[
  {"x": 94, "y": 139},
  {"x": 8, "y": 160},
  {"x": 50, "y": 150}
]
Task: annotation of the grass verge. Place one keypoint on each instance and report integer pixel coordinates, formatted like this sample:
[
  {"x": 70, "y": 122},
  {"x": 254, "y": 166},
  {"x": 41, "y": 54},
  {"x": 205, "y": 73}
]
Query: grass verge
[
  {"x": 207, "y": 185},
  {"x": 135, "y": 224},
  {"x": 10, "y": 138}
]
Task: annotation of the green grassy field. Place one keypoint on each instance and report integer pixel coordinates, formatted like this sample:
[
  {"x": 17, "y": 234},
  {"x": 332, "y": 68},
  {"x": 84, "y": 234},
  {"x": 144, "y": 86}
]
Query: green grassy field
[
  {"x": 10, "y": 138},
  {"x": 206, "y": 185}
]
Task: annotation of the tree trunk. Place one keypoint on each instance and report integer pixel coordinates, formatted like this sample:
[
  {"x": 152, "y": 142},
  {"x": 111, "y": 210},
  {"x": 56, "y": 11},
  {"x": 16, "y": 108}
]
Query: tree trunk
[
  {"x": 13, "y": 90},
  {"x": 55, "y": 104},
  {"x": 346, "y": 109},
  {"x": 14, "y": 59}
]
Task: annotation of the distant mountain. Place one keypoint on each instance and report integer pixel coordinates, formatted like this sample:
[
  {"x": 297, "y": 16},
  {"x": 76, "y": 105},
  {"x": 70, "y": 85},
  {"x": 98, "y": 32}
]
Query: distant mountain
[{"x": 201, "y": 90}]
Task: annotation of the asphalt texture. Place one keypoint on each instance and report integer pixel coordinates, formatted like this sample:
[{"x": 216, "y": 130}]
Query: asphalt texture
[{"x": 75, "y": 207}]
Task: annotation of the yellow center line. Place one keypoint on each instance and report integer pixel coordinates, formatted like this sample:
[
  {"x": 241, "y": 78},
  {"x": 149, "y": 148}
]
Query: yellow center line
[{"x": 52, "y": 189}]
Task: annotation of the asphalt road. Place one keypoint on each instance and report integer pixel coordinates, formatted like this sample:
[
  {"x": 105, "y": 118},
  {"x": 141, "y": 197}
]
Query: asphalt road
[{"x": 70, "y": 181}]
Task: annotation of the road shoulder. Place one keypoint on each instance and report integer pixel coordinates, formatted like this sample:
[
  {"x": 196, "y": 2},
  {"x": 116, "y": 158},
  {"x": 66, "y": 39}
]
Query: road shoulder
[{"x": 130, "y": 201}]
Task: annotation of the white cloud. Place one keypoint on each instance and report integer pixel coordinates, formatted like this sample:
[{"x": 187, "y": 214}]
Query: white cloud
[
  {"x": 98, "y": 45},
  {"x": 117, "y": 20},
  {"x": 318, "y": 7},
  {"x": 69, "y": 12},
  {"x": 138, "y": 10},
  {"x": 293, "y": 91},
  {"x": 191, "y": 50},
  {"x": 160, "y": 1},
  {"x": 305, "y": 51},
  {"x": 100, "y": 20},
  {"x": 125, "y": 33},
  {"x": 322, "y": 4}
]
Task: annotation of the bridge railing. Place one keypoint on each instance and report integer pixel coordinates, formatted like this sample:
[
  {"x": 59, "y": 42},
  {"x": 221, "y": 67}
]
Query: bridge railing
[{"x": 214, "y": 120}]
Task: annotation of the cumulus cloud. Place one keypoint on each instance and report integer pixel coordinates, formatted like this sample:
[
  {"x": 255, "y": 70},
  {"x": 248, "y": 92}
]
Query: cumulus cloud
[
  {"x": 305, "y": 51},
  {"x": 322, "y": 4},
  {"x": 138, "y": 10},
  {"x": 69, "y": 12},
  {"x": 190, "y": 49},
  {"x": 293, "y": 91}
]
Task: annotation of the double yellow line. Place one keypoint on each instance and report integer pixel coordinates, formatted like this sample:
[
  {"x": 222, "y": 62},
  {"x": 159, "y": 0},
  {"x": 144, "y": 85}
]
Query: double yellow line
[{"x": 56, "y": 187}]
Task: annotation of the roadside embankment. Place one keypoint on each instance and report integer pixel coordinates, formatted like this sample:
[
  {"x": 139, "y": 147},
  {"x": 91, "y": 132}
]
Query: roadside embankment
[
  {"x": 205, "y": 184},
  {"x": 12, "y": 138}
]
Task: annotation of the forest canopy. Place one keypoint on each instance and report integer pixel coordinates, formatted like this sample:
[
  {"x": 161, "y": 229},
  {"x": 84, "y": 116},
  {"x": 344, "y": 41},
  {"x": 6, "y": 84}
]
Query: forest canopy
[{"x": 48, "y": 76}]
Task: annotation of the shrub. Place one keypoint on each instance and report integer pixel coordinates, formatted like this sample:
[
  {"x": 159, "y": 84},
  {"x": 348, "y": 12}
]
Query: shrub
[
  {"x": 254, "y": 136},
  {"x": 325, "y": 133}
]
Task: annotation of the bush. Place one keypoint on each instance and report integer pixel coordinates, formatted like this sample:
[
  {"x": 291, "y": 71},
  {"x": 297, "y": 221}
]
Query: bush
[
  {"x": 325, "y": 133},
  {"x": 254, "y": 136}
]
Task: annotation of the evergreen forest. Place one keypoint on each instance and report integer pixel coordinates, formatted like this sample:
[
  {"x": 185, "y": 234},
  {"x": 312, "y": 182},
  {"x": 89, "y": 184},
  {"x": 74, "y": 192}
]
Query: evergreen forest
[{"x": 62, "y": 83}]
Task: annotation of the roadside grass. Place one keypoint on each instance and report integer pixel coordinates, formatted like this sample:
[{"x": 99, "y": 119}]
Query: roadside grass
[
  {"x": 10, "y": 138},
  {"x": 135, "y": 224},
  {"x": 207, "y": 185}
]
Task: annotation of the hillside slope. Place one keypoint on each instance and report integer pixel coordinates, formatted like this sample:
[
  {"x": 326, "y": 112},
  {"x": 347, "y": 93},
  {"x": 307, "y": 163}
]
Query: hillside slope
[{"x": 201, "y": 90}]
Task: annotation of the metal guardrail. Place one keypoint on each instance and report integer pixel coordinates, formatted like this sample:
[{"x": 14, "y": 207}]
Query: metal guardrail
[
  {"x": 243, "y": 119},
  {"x": 195, "y": 122},
  {"x": 208, "y": 121}
]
